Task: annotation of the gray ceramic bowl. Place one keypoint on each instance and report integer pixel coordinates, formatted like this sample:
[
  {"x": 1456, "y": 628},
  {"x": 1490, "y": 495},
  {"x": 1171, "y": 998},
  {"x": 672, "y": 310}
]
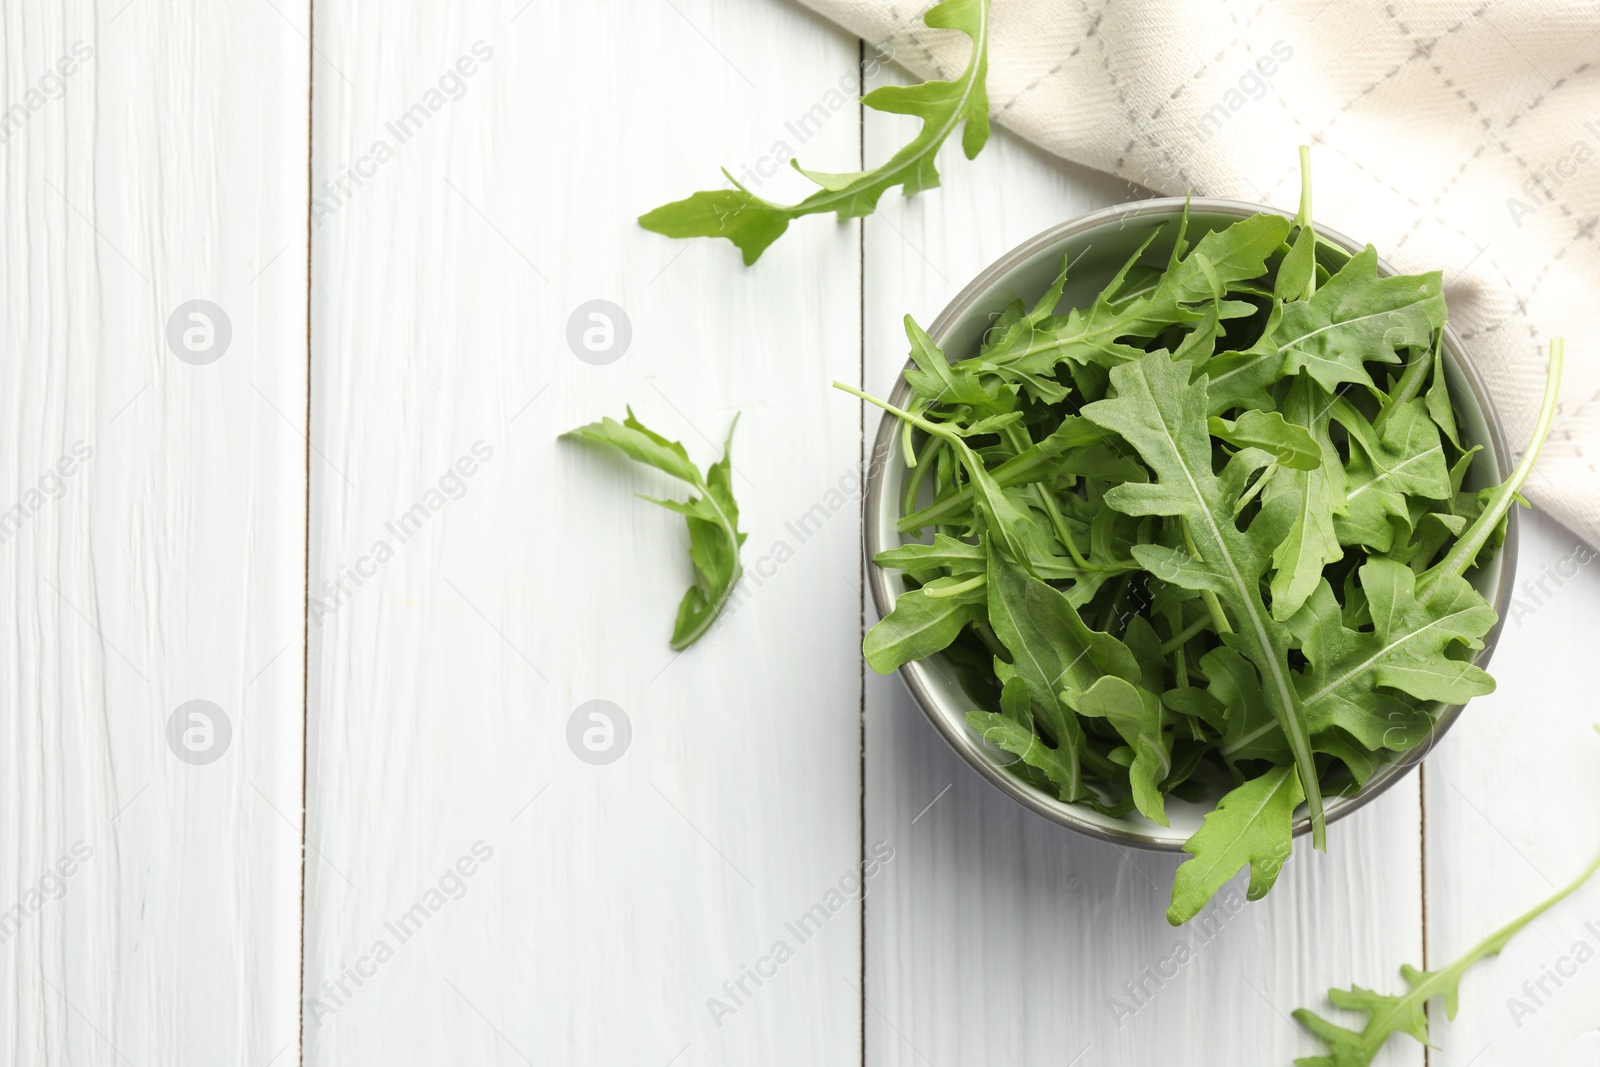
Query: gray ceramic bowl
[{"x": 1099, "y": 243}]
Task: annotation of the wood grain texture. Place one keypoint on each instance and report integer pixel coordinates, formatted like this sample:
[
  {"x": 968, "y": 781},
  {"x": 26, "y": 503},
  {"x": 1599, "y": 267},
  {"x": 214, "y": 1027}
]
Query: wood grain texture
[
  {"x": 999, "y": 937},
  {"x": 159, "y": 900},
  {"x": 619, "y": 898}
]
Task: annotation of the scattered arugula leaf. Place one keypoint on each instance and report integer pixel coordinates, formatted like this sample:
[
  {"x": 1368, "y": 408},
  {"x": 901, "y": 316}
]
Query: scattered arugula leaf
[
  {"x": 712, "y": 516},
  {"x": 1405, "y": 1013},
  {"x": 752, "y": 223},
  {"x": 1184, "y": 542}
]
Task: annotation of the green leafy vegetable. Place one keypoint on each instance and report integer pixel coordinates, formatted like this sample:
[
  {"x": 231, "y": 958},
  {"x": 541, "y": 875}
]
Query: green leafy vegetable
[
  {"x": 1405, "y": 1013},
  {"x": 1161, "y": 413},
  {"x": 1251, "y": 826},
  {"x": 712, "y": 516},
  {"x": 752, "y": 223},
  {"x": 1209, "y": 535},
  {"x": 1288, "y": 443}
]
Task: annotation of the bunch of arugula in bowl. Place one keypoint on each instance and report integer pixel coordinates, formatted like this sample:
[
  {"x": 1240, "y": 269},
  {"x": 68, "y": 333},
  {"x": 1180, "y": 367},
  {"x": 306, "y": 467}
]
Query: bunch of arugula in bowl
[{"x": 1207, "y": 536}]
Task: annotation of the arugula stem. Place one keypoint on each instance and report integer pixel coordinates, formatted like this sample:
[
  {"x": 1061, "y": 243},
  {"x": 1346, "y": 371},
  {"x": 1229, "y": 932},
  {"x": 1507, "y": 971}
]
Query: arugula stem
[
  {"x": 1260, "y": 483},
  {"x": 1072, "y": 550},
  {"x": 986, "y": 634},
  {"x": 905, "y": 442},
  {"x": 939, "y": 509},
  {"x": 1187, "y": 634},
  {"x": 1410, "y": 383},
  {"x": 1219, "y": 618},
  {"x": 1116, "y": 600},
  {"x": 918, "y": 421},
  {"x": 1047, "y": 501},
  {"x": 1471, "y": 541},
  {"x": 1304, "y": 218},
  {"x": 1011, "y": 472},
  {"x": 1101, "y": 766},
  {"x": 919, "y": 472},
  {"x": 945, "y": 591}
]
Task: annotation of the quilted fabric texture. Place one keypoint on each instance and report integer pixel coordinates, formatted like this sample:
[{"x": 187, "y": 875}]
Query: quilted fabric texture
[{"x": 1462, "y": 137}]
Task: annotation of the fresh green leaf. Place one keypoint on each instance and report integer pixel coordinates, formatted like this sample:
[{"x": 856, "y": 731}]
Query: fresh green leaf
[
  {"x": 1290, "y": 444},
  {"x": 1406, "y": 1013},
  {"x": 1440, "y": 408},
  {"x": 1314, "y": 497},
  {"x": 1359, "y": 317},
  {"x": 1163, "y": 415},
  {"x": 918, "y": 627},
  {"x": 1407, "y": 650},
  {"x": 753, "y": 223},
  {"x": 1096, "y": 335},
  {"x": 712, "y": 516},
  {"x": 1021, "y": 741},
  {"x": 959, "y": 557},
  {"x": 1137, "y": 716},
  {"x": 1251, "y": 826},
  {"x": 1052, "y": 650}
]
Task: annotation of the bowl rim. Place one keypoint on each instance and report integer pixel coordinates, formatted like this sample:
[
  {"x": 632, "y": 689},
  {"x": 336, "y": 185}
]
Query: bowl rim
[{"x": 915, "y": 675}]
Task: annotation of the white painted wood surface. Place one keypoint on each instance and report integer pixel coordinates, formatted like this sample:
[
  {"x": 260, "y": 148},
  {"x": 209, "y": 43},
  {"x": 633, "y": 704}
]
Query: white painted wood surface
[
  {"x": 167, "y": 165},
  {"x": 619, "y": 898},
  {"x": 1512, "y": 815},
  {"x": 532, "y": 906}
]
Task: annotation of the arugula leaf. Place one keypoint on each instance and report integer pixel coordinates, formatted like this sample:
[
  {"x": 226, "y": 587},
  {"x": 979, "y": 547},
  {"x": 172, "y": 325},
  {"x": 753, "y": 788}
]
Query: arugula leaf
[
  {"x": 1052, "y": 650},
  {"x": 1438, "y": 401},
  {"x": 752, "y": 223},
  {"x": 1314, "y": 496},
  {"x": 1359, "y": 317},
  {"x": 1407, "y": 648},
  {"x": 919, "y": 626},
  {"x": 1138, "y": 717},
  {"x": 1249, "y": 730},
  {"x": 1020, "y": 739},
  {"x": 1288, "y": 443},
  {"x": 1406, "y": 459},
  {"x": 712, "y": 516},
  {"x": 959, "y": 557},
  {"x": 1253, "y": 825},
  {"x": 1406, "y": 1013},
  {"x": 1163, "y": 415},
  {"x": 1236, "y": 253}
]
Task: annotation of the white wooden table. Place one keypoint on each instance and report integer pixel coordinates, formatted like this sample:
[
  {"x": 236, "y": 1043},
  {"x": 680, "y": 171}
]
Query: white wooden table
[{"x": 470, "y": 891}]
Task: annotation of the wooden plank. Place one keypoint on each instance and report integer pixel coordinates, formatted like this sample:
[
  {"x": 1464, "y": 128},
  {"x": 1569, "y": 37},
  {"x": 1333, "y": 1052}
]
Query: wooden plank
[
  {"x": 1512, "y": 815},
  {"x": 153, "y": 531},
  {"x": 619, "y": 897},
  {"x": 998, "y": 937}
]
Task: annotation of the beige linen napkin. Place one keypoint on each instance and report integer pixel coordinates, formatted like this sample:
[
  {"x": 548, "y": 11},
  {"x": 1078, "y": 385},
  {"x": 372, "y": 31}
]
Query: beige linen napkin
[{"x": 1452, "y": 135}]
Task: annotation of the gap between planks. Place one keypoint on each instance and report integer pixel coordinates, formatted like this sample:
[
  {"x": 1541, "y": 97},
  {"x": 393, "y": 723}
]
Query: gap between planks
[
  {"x": 305, "y": 603},
  {"x": 861, "y": 560}
]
